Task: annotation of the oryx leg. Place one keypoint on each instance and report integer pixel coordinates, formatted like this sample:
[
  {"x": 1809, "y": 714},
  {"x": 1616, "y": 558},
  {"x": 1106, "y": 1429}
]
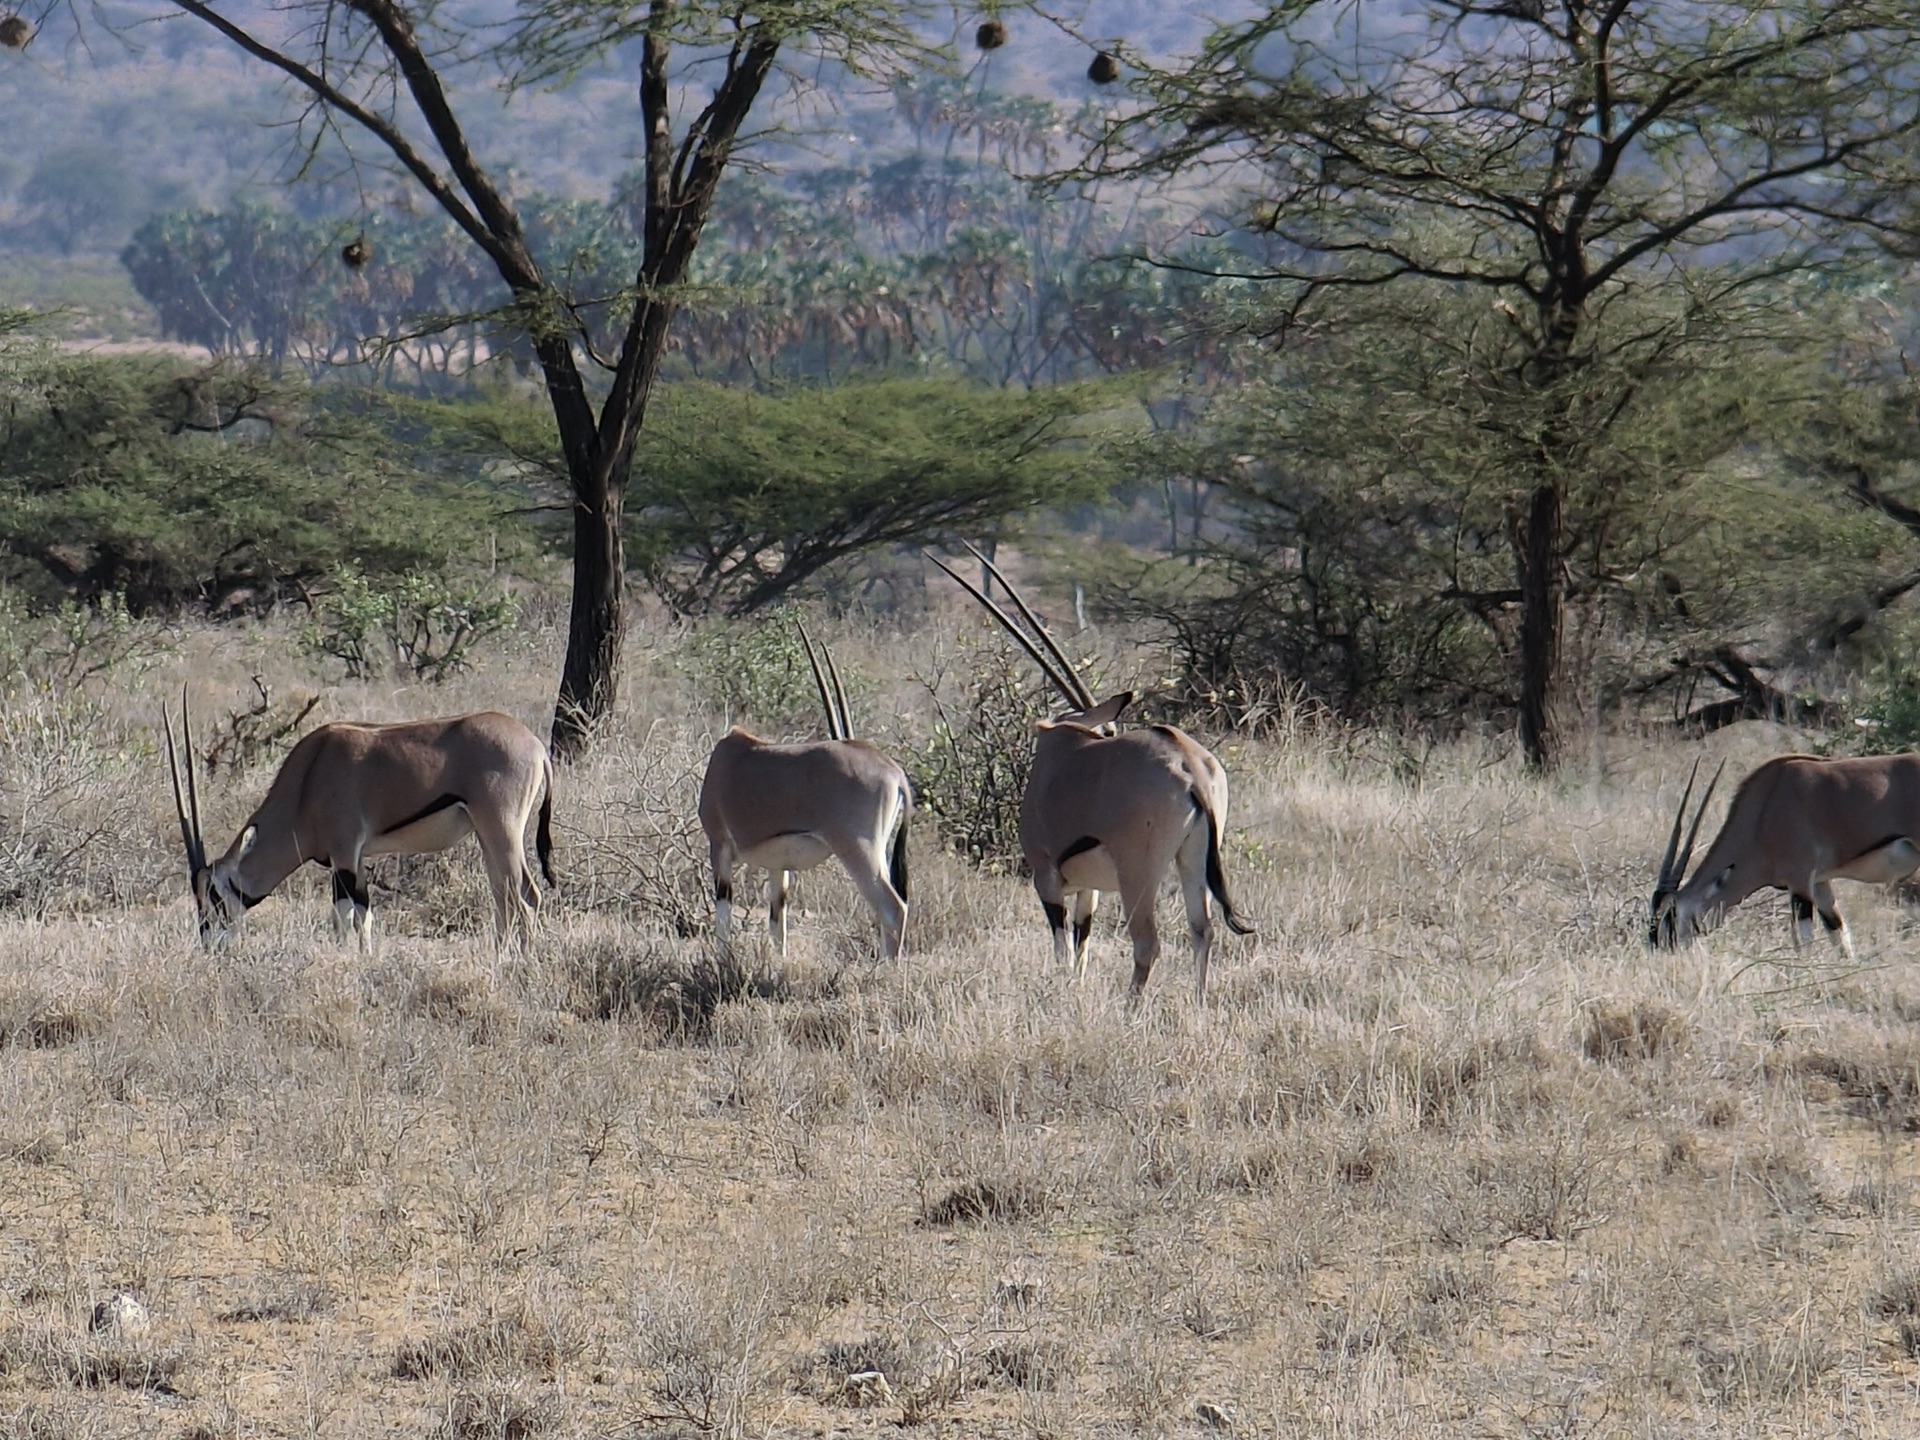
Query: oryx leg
[
  {"x": 1084, "y": 904},
  {"x": 1836, "y": 928},
  {"x": 1048, "y": 885},
  {"x": 777, "y": 909},
  {"x": 352, "y": 908},
  {"x": 1191, "y": 861},
  {"x": 725, "y": 858},
  {"x": 1802, "y": 923},
  {"x": 516, "y": 900},
  {"x": 867, "y": 864},
  {"x": 1138, "y": 884}
]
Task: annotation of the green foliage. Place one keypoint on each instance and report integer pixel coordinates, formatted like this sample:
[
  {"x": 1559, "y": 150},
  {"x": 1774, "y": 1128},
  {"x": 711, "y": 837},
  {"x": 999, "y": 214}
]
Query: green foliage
[
  {"x": 757, "y": 672},
  {"x": 62, "y": 649},
  {"x": 164, "y": 485},
  {"x": 971, "y": 773},
  {"x": 423, "y": 625},
  {"x": 747, "y": 496}
]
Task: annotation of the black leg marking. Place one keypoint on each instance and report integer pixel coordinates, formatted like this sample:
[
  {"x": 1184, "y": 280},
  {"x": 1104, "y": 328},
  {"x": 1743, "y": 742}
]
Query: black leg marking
[
  {"x": 1056, "y": 914},
  {"x": 1831, "y": 919},
  {"x": 723, "y": 890},
  {"x": 347, "y": 886},
  {"x": 1081, "y": 929},
  {"x": 1802, "y": 910}
]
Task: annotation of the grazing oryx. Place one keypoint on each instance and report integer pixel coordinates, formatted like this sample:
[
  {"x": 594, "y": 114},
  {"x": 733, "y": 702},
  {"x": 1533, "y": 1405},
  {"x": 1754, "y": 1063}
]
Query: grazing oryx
[
  {"x": 1797, "y": 823},
  {"x": 1110, "y": 811},
  {"x": 348, "y": 791},
  {"x": 787, "y": 807}
]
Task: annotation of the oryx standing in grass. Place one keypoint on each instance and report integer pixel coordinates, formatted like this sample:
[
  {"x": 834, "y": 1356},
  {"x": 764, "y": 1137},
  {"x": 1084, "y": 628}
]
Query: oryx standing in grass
[
  {"x": 348, "y": 791},
  {"x": 1114, "y": 811},
  {"x": 788, "y": 807},
  {"x": 1797, "y": 823}
]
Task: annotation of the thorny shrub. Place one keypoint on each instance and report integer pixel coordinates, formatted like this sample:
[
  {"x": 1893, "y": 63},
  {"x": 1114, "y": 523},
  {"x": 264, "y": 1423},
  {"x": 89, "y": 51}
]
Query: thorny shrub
[{"x": 425, "y": 626}]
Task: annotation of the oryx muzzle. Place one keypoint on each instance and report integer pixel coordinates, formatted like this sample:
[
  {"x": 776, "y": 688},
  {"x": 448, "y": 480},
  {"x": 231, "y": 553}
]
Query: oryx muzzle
[
  {"x": 349, "y": 791},
  {"x": 1114, "y": 811},
  {"x": 1797, "y": 823},
  {"x": 786, "y": 808}
]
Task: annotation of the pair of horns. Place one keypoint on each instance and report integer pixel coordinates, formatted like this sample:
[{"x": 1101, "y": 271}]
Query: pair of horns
[
  {"x": 834, "y": 700},
  {"x": 1673, "y": 868},
  {"x": 187, "y": 810},
  {"x": 1053, "y": 662}
]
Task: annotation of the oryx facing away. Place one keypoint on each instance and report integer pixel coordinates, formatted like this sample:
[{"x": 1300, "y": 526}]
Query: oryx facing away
[
  {"x": 1114, "y": 811},
  {"x": 788, "y": 807},
  {"x": 1797, "y": 823},
  {"x": 348, "y": 791}
]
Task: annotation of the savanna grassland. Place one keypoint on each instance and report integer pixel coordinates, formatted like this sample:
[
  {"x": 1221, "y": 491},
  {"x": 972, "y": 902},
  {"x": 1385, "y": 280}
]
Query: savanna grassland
[{"x": 1447, "y": 1152}]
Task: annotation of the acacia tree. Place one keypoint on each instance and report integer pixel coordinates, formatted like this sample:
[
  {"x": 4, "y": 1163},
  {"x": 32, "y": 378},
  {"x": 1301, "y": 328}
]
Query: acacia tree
[
  {"x": 387, "y": 75},
  {"x": 1564, "y": 155}
]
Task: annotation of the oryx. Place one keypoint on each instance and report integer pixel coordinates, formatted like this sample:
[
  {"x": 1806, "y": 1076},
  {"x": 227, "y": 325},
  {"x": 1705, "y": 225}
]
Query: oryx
[
  {"x": 1797, "y": 823},
  {"x": 1105, "y": 810},
  {"x": 788, "y": 807},
  {"x": 348, "y": 791}
]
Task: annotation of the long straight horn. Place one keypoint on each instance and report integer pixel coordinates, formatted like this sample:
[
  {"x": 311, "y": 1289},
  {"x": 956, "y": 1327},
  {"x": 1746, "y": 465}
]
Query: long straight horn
[
  {"x": 193, "y": 790},
  {"x": 1072, "y": 695},
  {"x": 1693, "y": 833},
  {"x": 195, "y": 860},
  {"x": 839, "y": 694},
  {"x": 1085, "y": 695},
  {"x": 1666, "y": 880},
  {"x": 835, "y": 730}
]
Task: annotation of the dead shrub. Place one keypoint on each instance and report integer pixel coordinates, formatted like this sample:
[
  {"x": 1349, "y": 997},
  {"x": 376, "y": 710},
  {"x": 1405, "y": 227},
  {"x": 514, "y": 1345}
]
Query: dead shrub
[
  {"x": 1030, "y": 1364},
  {"x": 501, "y": 1412},
  {"x": 1019, "y": 1198},
  {"x": 1615, "y": 1033},
  {"x": 826, "y": 1027},
  {"x": 1898, "y": 1297},
  {"x": 1881, "y": 1076},
  {"x": 302, "y": 1302},
  {"x": 503, "y": 1342},
  {"x": 41, "y": 1149}
]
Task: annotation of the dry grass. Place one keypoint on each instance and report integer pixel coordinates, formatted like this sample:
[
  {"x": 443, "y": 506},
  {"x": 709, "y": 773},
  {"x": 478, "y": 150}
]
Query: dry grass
[{"x": 1448, "y": 1154}]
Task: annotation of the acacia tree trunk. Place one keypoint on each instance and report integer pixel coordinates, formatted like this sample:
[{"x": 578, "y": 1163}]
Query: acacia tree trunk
[{"x": 1537, "y": 551}]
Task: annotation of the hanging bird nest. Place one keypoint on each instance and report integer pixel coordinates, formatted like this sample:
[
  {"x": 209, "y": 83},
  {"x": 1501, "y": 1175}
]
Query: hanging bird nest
[
  {"x": 991, "y": 35},
  {"x": 356, "y": 252},
  {"x": 15, "y": 32},
  {"x": 1105, "y": 68}
]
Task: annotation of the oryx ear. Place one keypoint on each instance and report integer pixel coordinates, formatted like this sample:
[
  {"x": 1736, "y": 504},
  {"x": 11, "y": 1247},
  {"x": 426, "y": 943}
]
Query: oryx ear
[
  {"x": 1106, "y": 712},
  {"x": 247, "y": 838}
]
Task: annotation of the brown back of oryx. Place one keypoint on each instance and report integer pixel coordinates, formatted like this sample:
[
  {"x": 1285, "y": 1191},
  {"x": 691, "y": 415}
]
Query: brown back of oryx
[
  {"x": 1801, "y": 814},
  {"x": 761, "y": 791},
  {"x": 1105, "y": 786},
  {"x": 381, "y": 777}
]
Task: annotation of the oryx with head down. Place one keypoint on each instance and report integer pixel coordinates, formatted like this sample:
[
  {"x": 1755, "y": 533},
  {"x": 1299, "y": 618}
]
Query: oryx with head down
[
  {"x": 1797, "y": 823},
  {"x": 348, "y": 791},
  {"x": 785, "y": 808},
  {"x": 1112, "y": 810}
]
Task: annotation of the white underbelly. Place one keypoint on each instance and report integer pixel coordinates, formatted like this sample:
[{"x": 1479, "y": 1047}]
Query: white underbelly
[
  {"x": 787, "y": 852},
  {"x": 441, "y": 830},
  {"x": 1090, "y": 870}
]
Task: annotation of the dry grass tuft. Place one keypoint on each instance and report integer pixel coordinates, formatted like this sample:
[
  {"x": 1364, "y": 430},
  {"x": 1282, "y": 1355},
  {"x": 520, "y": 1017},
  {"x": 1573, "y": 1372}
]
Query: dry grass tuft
[
  {"x": 1031, "y": 1364},
  {"x": 502, "y": 1412},
  {"x": 1617, "y": 1032},
  {"x": 1005, "y": 1200},
  {"x": 91, "y": 1362},
  {"x": 302, "y": 1302},
  {"x": 677, "y": 987},
  {"x": 508, "y": 1342},
  {"x": 30, "y": 1020}
]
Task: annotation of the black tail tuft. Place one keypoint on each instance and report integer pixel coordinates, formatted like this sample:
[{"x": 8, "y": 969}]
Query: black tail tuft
[
  {"x": 543, "y": 837},
  {"x": 1217, "y": 880},
  {"x": 897, "y": 863}
]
